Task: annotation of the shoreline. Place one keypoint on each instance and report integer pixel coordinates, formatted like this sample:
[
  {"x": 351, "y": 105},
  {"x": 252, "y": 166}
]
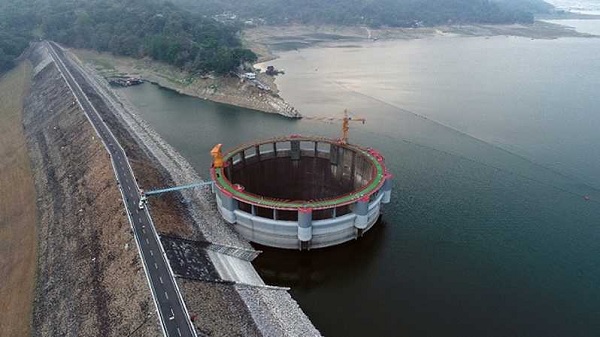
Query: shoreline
[
  {"x": 268, "y": 41},
  {"x": 221, "y": 89}
]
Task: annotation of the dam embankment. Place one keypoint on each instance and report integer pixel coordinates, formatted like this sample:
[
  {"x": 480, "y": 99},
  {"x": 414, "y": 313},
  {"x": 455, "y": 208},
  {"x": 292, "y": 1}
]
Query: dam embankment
[
  {"x": 90, "y": 280},
  {"x": 230, "y": 298}
]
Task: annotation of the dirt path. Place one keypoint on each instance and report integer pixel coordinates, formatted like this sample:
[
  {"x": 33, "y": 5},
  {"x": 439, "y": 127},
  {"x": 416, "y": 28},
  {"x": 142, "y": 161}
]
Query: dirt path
[{"x": 17, "y": 209}]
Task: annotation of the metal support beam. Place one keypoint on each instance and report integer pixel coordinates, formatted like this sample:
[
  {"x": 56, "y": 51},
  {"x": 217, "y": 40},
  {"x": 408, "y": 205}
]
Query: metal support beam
[{"x": 178, "y": 188}]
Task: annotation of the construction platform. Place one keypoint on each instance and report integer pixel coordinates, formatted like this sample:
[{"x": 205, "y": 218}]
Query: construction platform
[{"x": 299, "y": 192}]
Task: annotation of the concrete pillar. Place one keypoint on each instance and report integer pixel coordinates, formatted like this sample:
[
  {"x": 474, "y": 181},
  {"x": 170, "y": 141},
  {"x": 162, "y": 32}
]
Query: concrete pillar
[
  {"x": 228, "y": 205},
  {"x": 387, "y": 189},
  {"x": 305, "y": 224},
  {"x": 353, "y": 170},
  {"x": 295, "y": 150},
  {"x": 333, "y": 154},
  {"x": 228, "y": 168},
  {"x": 361, "y": 209}
]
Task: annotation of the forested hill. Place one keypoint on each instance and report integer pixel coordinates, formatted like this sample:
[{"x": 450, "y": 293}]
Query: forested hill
[
  {"x": 137, "y": 28},
  {"x": 185, "y": 33},
  {"x": 375, "y": 13}
]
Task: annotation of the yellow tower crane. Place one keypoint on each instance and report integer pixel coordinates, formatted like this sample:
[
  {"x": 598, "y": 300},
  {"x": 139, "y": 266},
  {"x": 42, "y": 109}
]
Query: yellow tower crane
[
  {"x": 345, "y": 123},
  {"x": 346, "y": 126}
]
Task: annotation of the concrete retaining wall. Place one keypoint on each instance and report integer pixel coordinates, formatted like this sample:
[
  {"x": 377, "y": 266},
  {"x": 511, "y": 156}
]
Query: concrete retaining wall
[{"x": 284, "y": 234}]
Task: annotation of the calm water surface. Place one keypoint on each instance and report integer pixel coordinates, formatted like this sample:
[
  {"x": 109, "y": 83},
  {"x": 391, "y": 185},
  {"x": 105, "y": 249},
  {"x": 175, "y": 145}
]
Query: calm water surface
[
  {"x": 493, "y": 144},
  {"x": 591, "y": 7}
]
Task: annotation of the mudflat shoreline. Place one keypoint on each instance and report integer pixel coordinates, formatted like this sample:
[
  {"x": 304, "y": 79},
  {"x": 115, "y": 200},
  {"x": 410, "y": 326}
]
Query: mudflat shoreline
[{"x": 267, "y": 41}]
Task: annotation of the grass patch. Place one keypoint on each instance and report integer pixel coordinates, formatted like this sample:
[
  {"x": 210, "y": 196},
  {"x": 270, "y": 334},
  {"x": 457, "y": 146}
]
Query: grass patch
[{"x": 18, "y": 213}]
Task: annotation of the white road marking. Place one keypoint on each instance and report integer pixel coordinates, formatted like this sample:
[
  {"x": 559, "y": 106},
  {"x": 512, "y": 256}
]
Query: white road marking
[
  {"x": 151, "y": 253},
  {"x": 160, "y": 279},
  {"x": 178, "y": 332},
  {"x": 155, "y": 265},
  {"x": 147, "y": 242},
  {"x": 166, "y": 295}
]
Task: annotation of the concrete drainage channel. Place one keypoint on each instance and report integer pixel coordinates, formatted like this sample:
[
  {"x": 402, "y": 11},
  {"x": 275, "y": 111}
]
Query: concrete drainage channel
[{"x": 225, "y": 256}]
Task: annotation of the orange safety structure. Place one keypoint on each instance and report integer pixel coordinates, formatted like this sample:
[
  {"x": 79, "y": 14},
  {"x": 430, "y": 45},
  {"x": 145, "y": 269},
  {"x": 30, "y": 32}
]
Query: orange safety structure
[{"x": 217, "y": 156}]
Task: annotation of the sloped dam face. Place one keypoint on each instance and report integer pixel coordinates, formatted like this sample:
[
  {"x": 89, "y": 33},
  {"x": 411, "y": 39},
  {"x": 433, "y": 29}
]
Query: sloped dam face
[{"x": 298, "y": 192}]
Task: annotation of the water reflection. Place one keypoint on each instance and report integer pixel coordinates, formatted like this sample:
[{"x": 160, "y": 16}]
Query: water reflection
[
  {"x": 322, "y": 267},
  {"x": 480, "y": 241}
]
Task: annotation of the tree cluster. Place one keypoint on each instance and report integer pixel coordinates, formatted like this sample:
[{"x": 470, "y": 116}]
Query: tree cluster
[
  {"x": 375, "y": 13},
  {"x": 137, "y": 28},
  {"x": 14, "y": 33}
]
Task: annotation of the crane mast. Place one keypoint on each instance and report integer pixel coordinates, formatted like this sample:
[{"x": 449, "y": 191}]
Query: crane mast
[{"x": 346, "y": 126}]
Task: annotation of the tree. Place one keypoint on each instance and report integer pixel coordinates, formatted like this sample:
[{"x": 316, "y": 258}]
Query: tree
[{"x": 134, "y": 28}]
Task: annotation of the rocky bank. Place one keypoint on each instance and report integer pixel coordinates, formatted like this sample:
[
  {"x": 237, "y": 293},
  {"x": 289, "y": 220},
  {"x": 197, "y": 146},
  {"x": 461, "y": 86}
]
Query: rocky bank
[{"x": 228, "y": 89}]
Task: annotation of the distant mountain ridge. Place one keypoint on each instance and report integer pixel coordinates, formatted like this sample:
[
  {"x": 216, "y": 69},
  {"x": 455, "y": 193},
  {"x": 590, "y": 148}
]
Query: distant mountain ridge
[{"x": 394, "y": 13}]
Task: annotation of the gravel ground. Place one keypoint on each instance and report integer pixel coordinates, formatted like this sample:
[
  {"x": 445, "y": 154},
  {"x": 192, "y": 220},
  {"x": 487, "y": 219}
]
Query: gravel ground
[
  {"x": 189, "y": 259},
  {"x": 275, "y": 312},
  {"x": 213, "y": 319}
]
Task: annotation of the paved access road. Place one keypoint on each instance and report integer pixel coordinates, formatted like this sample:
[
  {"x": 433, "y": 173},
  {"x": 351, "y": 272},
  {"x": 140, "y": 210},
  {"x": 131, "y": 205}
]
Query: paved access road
[{"x": 173, "y": 315}]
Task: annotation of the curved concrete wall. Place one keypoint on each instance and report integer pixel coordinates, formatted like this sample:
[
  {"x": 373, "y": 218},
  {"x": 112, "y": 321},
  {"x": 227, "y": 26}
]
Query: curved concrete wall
[
  {"x": 313, "y": 175},
  {"x": 289, "y": 234}
]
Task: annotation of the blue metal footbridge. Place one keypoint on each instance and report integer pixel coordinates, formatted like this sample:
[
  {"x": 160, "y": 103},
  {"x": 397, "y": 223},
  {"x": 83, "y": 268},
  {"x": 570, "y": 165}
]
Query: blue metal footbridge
[{"x": 179, "y": 188}]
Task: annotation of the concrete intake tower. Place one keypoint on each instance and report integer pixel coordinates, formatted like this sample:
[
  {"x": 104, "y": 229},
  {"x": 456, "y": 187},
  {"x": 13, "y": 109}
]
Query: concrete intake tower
[{"x": 300, "y": 192}]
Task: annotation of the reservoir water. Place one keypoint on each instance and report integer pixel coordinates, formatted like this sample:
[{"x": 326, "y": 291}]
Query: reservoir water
[{"x": 494, "y": 225}]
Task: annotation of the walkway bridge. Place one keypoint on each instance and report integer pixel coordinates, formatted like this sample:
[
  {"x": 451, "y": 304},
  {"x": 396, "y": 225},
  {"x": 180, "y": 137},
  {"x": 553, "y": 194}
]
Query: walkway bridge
[{"x": 179, "y": 188}]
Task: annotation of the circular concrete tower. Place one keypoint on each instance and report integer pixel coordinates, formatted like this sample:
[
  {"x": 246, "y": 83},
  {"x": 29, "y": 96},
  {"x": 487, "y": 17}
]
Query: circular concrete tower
[{"x": 300, "y": 192}]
